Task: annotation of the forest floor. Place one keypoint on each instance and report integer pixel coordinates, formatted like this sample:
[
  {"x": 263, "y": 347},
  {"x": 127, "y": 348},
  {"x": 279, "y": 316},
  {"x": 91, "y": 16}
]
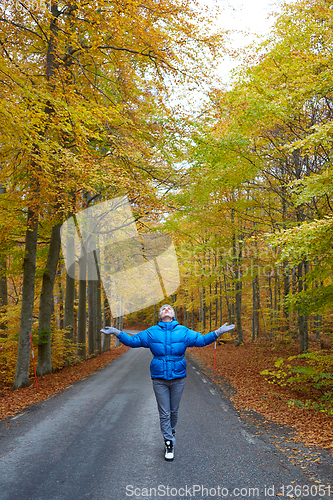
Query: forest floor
[
  {"x": 12, "y": 402},
  {"x": 239, "y": 367}
]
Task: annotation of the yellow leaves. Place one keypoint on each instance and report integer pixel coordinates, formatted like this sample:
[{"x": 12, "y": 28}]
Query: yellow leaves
[{"x": 105, "y": 61}]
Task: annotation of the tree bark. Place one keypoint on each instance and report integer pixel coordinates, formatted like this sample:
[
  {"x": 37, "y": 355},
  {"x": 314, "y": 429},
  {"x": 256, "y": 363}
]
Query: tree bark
[
  {"x": 271, "y": 308},
  {"x": 98, "y": 313},
  {"x": 227, "y": 299},
  {"x": 119, "y": 326},
  {"x": 3, "y": 293},
  {"x": 69, "y": 308},
  {"x": 28, "y": 294},
  {"x": 60, "y": 300},
  {"x": 286, "y": 291},
  {"x": 3, "y": 280},
  {"x": 107, "y": 322},
  {"x": 238, "y": 304},
  {"x": 255, "y": 308},
  {"x": 216, "y": 305},
  {"x": 317, "y": 320},
  {"x": 91, "y": 317},
  {"x": 46, "y": 305},
  {"x": 210, "y": 307},
  {"x": 237, "y": 259},
  {"x": 221, "y": 305},
  {"x": 203, "y": 307},
  {"x": 276, "y": 303},
  {"x": 82, "y": 309},
  {"x": 302, "y": 318}
]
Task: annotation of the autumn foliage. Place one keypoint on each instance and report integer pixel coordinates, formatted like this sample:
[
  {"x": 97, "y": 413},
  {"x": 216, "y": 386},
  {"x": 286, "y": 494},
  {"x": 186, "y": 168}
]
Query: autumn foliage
[{"x": 91, "y": 108}]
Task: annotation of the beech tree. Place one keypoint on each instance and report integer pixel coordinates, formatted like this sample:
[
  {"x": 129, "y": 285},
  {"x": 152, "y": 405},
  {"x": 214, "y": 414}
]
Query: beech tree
[
  {"x": 269, "y": 138},
  {"x": 88, "y": 86}
]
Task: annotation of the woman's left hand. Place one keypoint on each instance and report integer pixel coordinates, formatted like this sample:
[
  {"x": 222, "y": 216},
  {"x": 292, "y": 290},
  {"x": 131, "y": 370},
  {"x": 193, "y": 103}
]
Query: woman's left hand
[{"x": 224, "y": 328}]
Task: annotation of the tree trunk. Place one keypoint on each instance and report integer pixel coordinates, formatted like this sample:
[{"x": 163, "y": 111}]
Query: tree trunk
[
  {"x": 238, "y": 286},
  {"x": 303, "y": 333},
  {"x": 200, "y": 310},
  {"x": 216, "y": 305},
  {"x": 107, "y": 322},
  {"x": 116, "y": 340},
  {"x": 46, "y": 305},
  {"x": 227, "y": 299},
  {"x": 28, "y": 295},
  {"x": 237, "y": 256},
  {"x": 271, "y": 307},
  {"x": 98, "y": 313},
  {"x": 210, "y": 307},
  {"x": 82, "y": 309},
  {"x": 276, "y": 304},
  {"x": 286, "y": 291},
  {"x": 69, "y": 308},
  {"x": 3, "y": 282},
  {"x": 3, "y": 292},
  {"x": 3, "y": 278},
  {"x": 119, "y": 326},
  {"x": 255, "y": 308},
  {"x": 302, "y": 318},
  {"x": 263, "y": 323},
  {"x": 91, "y": 317},
  {"x": 238, "y": 302},
  {"x": 221, "y": 305},
  {"x": 203, "y": 310},
  {"x": 317, "y": 320},
  {"x": 294, "y": 290},
  {"x": 61, "y": 300}
]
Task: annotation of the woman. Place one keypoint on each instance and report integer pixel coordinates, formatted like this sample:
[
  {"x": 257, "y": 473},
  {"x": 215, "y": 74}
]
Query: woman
[{"x": 168, "y": 342}]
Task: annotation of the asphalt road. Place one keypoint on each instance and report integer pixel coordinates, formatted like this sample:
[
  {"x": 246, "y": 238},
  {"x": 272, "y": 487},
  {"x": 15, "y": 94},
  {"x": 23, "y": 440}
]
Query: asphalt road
[{"x": 100, "y": 439}]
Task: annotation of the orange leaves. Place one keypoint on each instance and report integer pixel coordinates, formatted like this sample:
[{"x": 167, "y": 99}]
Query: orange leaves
[
  {"x": 13, "y": 402},
  {"x": 241, "y": 367}
]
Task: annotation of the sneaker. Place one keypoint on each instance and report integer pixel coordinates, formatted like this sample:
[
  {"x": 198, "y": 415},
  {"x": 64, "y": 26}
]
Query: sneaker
[
  {"x": 173, "y": 432},
  {"x": 169, "y": 451}
]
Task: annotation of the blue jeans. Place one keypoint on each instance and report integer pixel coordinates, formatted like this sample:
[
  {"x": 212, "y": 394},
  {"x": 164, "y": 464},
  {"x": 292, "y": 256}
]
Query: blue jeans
[{"x": 168, "y": 394}]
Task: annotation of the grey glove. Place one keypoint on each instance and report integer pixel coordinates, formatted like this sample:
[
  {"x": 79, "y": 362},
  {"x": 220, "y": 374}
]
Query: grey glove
[
  {"x": 224, "y": 328},
  {"x": 110, "y": 329}
]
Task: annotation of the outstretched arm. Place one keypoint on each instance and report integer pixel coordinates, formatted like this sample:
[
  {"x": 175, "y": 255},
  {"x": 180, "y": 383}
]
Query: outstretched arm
[
  {"x": 196, "y": 339},
  {"x": 137, "y": 340},
  {"x": 108, "y": 330}
]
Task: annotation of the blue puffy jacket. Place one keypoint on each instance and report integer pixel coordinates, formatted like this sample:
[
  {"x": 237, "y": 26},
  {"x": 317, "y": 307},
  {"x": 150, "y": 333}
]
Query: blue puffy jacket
[{"x": 168, "y": 342}]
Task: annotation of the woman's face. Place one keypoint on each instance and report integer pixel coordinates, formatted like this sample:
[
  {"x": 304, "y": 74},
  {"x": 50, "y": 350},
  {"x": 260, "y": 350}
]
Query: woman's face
[{"x": 166, "y": 314}]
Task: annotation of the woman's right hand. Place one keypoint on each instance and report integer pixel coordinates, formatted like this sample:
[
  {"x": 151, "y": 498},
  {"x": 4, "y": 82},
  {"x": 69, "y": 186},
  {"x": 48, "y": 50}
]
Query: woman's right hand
[{"x": 110, "y": 329}]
